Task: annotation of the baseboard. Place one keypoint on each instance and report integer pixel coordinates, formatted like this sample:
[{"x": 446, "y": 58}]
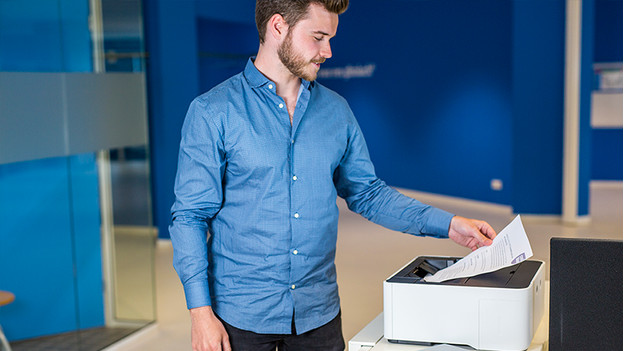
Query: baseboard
[
  {"x": 163, "y": 243},
  {"x": 606, "y": 184},
  {"x": 426, "y": 197}
]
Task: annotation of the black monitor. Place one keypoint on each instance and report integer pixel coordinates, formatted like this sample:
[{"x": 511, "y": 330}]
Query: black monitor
[{"x": 585, "y": 294}]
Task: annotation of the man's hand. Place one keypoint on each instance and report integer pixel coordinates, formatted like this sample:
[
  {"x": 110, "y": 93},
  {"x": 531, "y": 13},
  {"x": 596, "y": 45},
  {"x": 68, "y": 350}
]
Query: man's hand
[
  {"x": 207, "y": 332},
  {"x": 471, "y": 233}
]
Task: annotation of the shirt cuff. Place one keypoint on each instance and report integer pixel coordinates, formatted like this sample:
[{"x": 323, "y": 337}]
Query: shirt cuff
[
  {"x": 197, "y": 294},
  {"x": 438, "y": 223}
]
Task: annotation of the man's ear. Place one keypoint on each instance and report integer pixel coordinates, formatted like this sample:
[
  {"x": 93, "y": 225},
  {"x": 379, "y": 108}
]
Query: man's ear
[{"x": 277, "y": 27}]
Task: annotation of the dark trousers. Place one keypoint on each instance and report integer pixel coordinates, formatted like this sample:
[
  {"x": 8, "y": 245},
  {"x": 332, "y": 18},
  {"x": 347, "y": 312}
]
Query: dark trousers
[{"x": 325, "y": 338}]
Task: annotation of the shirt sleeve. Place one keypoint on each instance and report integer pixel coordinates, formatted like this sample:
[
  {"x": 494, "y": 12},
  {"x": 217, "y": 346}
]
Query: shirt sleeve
[
  {"x": 372, "y": 198},
  {"x": 198, "y": 197}
]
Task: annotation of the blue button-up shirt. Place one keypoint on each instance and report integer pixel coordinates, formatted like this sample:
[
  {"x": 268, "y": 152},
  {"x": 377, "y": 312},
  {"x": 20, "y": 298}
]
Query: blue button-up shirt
[{"x": 266, "y": 192}]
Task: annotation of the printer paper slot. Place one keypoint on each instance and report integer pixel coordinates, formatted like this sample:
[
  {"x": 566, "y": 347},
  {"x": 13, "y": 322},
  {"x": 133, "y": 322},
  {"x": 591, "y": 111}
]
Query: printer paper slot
[{"x": 422, "y": 267}]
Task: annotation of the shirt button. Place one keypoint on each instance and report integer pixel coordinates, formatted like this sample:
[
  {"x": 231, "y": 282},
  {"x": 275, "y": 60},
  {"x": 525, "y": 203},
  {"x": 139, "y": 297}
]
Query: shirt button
[
  {"x": 281, "y": 105},
  {"x": 295, "y": 252},
  {"x": 296, "y": 215},
  {"x": 292, "y": 141},
  {"x": 294, "y": 177},
  {"x": 292, "y": 286},
  {"x": 270, "y": 86}
]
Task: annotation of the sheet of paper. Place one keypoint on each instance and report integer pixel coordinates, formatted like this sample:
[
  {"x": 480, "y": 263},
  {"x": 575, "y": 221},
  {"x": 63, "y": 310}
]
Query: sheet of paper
[{"x": 510, "y": 246}]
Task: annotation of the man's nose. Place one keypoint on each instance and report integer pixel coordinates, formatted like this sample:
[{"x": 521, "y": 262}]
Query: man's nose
[{"x": 326, "y": 51}]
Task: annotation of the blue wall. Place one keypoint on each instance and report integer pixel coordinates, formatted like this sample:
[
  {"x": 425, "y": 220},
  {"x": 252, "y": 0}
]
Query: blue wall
[
  {"x": 586, "y": 88},
  {"x": 606, "y": 149},
  {"x": 437, "y": 111},
  {"x": 220, "y": 57},
  {"x": 538, "y": 71},
  {"x": 608, "y": 31},
  {"x": 49, "y": 209},
  {"x": 173, "y": 82},
  {"x": 607, "y": 153}
]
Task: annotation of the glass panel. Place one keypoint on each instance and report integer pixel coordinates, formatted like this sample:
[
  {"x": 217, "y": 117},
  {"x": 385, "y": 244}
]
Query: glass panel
[
  {"x": 123, "y": 35},
  {"x": 134, "y": 235},
  {"x": 133, "y": 232}
]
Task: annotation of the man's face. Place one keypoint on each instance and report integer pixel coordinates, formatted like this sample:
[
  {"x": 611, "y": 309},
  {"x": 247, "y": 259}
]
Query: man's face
[{"x": 306, "y": 45}]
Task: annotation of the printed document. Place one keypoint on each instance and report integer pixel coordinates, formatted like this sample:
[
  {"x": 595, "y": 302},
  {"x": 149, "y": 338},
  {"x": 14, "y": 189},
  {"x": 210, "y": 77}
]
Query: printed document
[{"x": 511, "y": 246}]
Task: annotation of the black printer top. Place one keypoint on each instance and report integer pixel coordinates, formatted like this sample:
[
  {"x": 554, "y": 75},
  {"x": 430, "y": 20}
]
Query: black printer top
[{"x": 518, "y": 276}]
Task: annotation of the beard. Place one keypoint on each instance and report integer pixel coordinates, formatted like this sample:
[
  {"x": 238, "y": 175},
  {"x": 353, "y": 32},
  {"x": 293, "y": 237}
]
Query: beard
[{"x": 294, "y": 62}]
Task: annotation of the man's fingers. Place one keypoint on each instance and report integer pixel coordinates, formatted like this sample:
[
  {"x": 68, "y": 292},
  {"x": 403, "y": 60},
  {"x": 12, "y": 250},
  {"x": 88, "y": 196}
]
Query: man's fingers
[
  {"x": 226, "y": 344},
  {"x": 484, "y": 241},
  {"x": 484, "y": 233},
  {"x": 487, "y": 230},
  {"x": 471, "y": 233}
]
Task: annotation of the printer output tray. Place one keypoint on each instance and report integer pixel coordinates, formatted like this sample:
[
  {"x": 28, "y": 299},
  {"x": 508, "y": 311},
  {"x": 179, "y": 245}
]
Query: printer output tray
[{"x": 517, "y": 276}]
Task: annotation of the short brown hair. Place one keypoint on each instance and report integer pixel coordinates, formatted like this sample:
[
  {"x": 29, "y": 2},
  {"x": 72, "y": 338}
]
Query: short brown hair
[{"x": 292, "y": 10}]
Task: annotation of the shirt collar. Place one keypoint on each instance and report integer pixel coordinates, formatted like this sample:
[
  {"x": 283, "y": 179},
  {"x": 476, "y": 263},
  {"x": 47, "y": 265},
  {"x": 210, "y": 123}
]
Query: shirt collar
[{"x": 257, "y": 79}]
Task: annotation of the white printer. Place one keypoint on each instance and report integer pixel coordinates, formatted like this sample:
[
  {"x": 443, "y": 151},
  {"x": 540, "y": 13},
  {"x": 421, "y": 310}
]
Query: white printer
[{"x": 499, "y": 311}]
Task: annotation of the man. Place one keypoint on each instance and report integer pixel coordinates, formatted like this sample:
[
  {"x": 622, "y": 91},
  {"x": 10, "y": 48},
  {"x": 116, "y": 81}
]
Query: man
[{"x": 262, "y": 159}]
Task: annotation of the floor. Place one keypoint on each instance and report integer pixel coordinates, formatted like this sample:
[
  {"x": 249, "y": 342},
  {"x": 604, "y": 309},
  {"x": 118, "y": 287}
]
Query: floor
[
  {"x": 84, "y": 340},
  {"x": 368, "y": 254}
]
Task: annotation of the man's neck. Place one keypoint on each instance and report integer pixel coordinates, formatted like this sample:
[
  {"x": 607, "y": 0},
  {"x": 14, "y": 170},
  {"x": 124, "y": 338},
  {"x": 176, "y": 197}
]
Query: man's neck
[{"x": 268, "y": 63}]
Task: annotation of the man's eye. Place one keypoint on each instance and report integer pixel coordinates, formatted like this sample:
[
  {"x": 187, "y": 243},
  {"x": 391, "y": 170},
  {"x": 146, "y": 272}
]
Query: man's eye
[{"x": 318, "y": 39}]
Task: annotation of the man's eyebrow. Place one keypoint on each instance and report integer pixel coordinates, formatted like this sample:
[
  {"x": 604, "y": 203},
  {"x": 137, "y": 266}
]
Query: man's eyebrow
[{"x": 320, "y": 32}]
